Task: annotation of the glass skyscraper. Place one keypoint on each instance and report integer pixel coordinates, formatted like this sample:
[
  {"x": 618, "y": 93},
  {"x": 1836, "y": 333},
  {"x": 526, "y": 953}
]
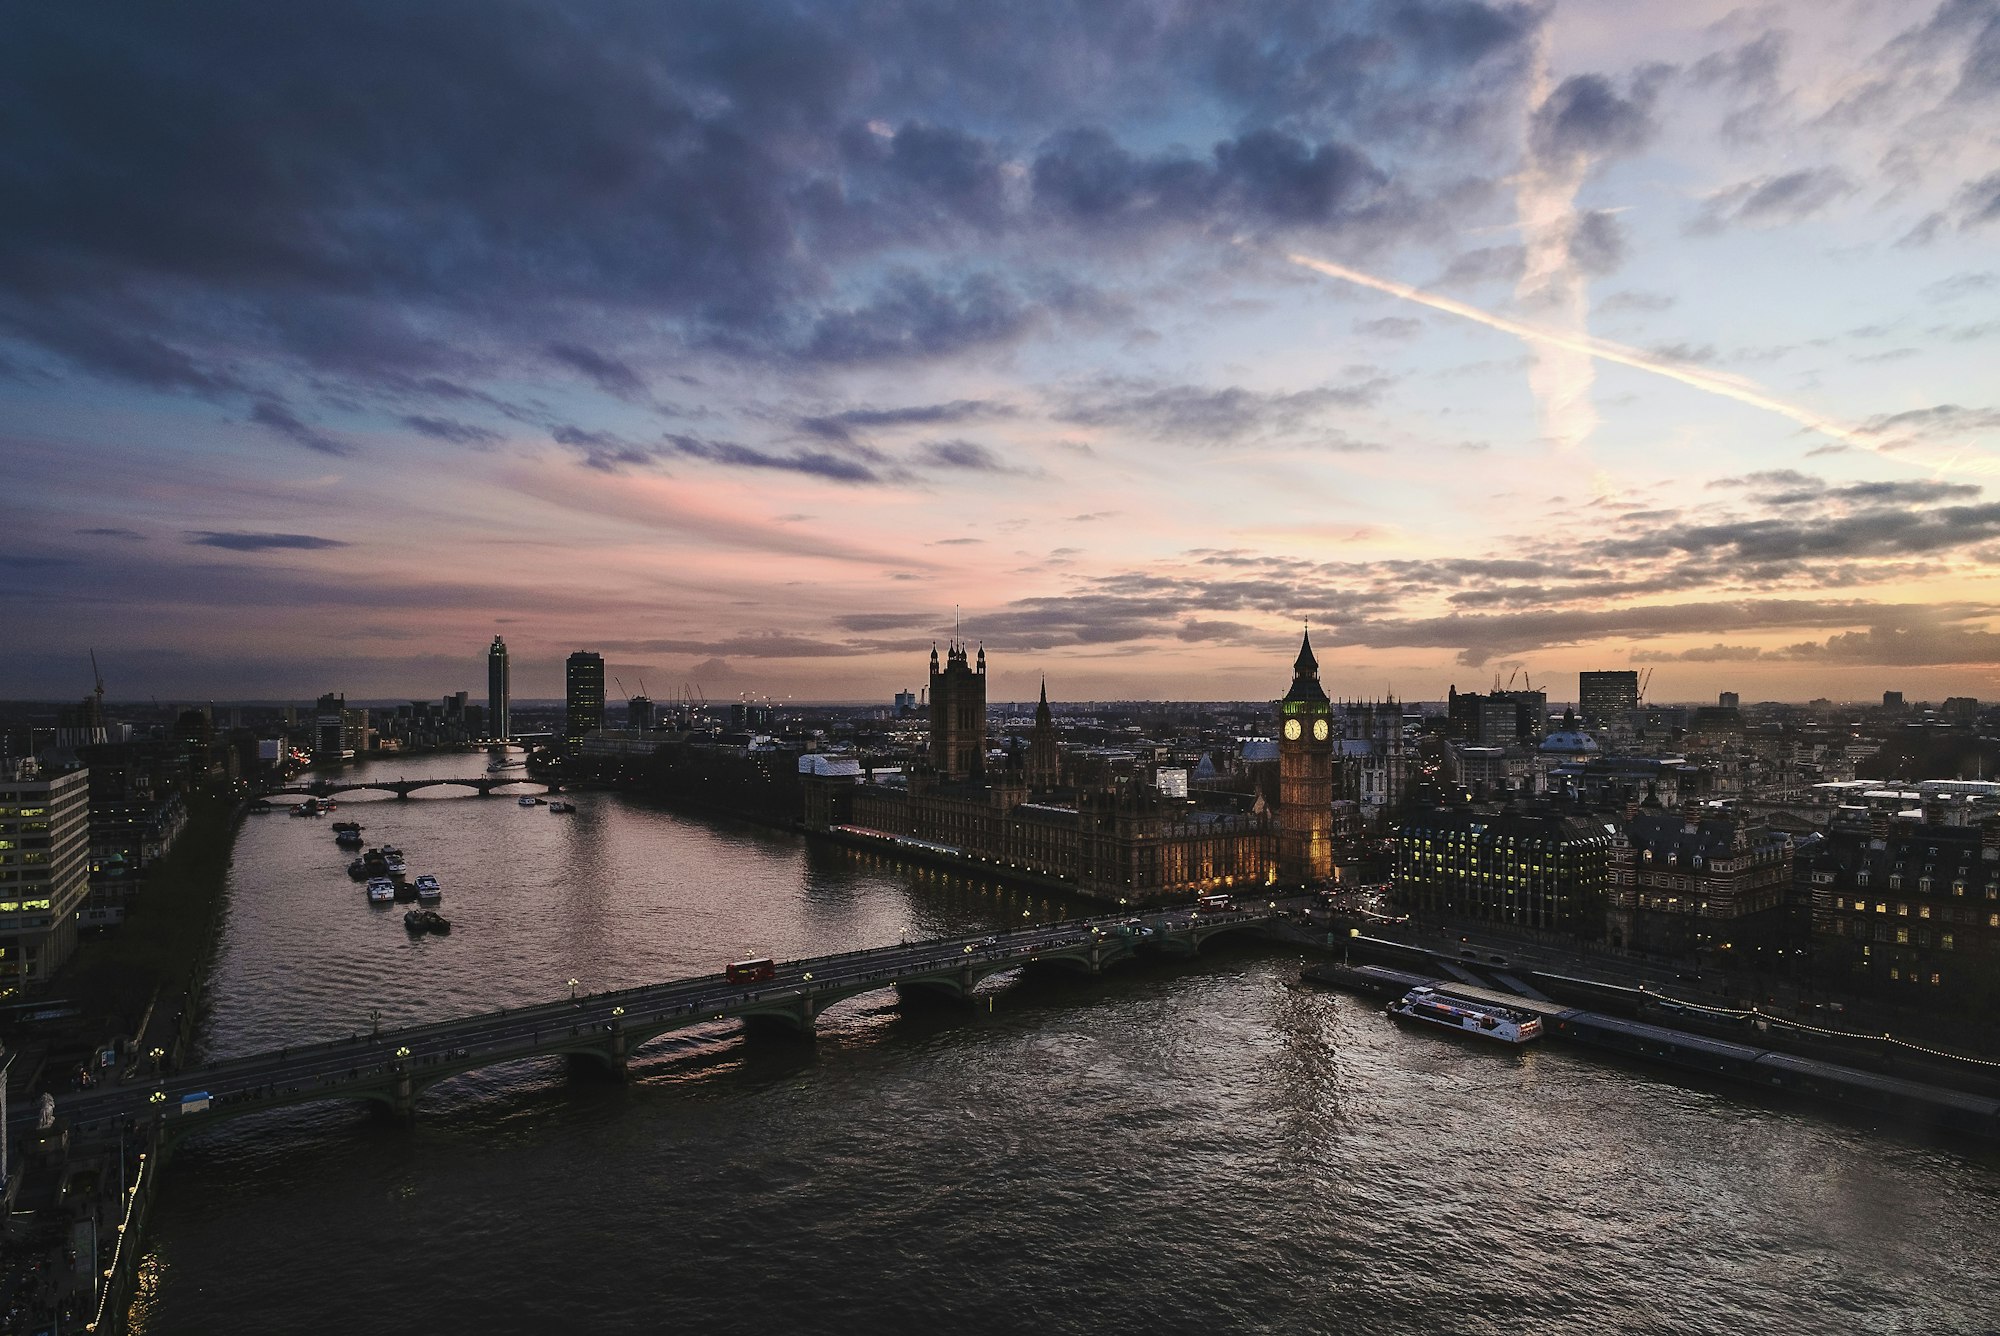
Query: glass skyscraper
[{"x": 497, "y": 721}]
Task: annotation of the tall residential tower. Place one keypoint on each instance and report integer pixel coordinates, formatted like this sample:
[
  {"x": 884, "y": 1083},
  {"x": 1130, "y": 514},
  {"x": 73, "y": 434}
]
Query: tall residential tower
[{"x": 497, "y": 724}]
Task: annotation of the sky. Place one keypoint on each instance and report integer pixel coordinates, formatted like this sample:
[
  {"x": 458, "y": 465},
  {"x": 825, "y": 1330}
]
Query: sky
[{"x": 756, "y": 346}]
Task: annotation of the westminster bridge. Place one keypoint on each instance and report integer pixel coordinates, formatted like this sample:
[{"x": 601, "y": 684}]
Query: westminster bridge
[
  {"x": 483, "y": 785},
  {"x": 602, "y": 1030}
]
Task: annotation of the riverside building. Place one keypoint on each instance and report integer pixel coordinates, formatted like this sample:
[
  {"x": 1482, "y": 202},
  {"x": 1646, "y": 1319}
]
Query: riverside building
[{"x": 44, "y": 869}]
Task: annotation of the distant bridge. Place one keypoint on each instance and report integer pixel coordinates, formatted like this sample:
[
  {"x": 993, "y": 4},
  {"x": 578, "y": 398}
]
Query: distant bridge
[
  {"x": 483, "y": 785},
  {"x": 392, "y": 1067}
]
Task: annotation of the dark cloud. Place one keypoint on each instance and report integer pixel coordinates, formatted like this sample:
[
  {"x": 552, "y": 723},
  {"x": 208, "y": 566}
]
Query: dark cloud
[
  {"x": 1978, "y": 202},
  {"x": 814, "y": 463},
  {"x": 1597, "y": 242},
  {"x": 261, "y": 542},
  {"x": 1587, "y": 118},
  {"x": 1773, "y": 200},
  {"x": 129, "y": 535},
  {"x": 1940, "y": 420},
  {"x": 1389, "y": 327},
  {"x": 1708, "y": 654},
  {"x": 846, "y": 426},
  {"x": 448, "y": 429},
  {"x": 280, "y": 419},
  {"x": 969, "y": 456},
  {"x": 1195, "y": 415},
  {"x": 607, "y": 373},
  {"x": 913, "y": 317}
]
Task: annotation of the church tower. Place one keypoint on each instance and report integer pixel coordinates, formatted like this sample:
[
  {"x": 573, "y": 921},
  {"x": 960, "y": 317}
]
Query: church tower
[
  {"x": 1044, "y": 763},
  {"x": 958, "y": 714},
  {"x": 1305, "y": 775}
]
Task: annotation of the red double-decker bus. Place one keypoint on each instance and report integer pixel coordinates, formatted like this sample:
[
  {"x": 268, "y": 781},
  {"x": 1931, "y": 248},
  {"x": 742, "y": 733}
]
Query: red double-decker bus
[{"x": 753, "y": 971}]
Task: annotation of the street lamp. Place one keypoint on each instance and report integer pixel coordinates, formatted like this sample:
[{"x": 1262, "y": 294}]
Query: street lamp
[
  {"x": 572, "y": 990},
  {"x": 158, "y": 1055},
  {"x": 617, "y": 1011},
  {"x": 157, "y": 1097},
  {"x": 403, "y": 1052}
]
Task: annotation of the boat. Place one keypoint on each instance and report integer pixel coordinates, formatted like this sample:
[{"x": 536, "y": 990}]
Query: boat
[
  {"x": 394, "y": 863},
  {"x": 560, "y": 806},
  {"x": 344, "y": 826},
  {"x": 347, "y": 839},
  {"x": 529, "y": 800},
  {"x": 358, "y": 869},
  {"x": 1485, "y": 1020},
  {"x": 381, "y": 890},
  {"x": 426, "y": 920},
  {"x": 428, "y": 890},
  {"x": 391, "y": 851}
]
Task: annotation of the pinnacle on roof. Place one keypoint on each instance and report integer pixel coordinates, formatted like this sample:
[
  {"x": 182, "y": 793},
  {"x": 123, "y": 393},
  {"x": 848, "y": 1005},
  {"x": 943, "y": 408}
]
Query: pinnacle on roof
[{"x": 1306, "y": 665}]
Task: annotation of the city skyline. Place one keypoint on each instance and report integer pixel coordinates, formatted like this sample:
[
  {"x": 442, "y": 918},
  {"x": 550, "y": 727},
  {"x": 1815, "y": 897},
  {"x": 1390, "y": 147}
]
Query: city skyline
[{"x": 746, "y": 346}]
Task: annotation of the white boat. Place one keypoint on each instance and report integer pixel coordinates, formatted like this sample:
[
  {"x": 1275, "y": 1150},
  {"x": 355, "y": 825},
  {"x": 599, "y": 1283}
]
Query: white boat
[
  {"x": 394, "y": 862},
  {"x": 529, "y": 800},
  {"x": 381, "y": 890},
  {"x": 428, "y": 890},
  {"x": 1431, "y": 1007}
]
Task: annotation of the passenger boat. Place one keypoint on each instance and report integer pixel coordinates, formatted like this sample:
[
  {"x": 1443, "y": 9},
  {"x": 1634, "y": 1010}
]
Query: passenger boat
[
  {"x": 428, "y": 890},
  {"x": 530, "y": 800},
  {"x": 1431, "y": 1007},
  {"x": 562, "y": 807},
  {"x": 381, "y": 890}
]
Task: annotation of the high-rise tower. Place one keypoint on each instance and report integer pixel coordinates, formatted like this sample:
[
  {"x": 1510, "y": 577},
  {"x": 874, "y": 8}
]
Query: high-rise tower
[
  {"x": 1305, "y": 775},
  {"x": 496, "y": 691},
  {"x": 583, "y": 681},
  {"x": 958, "y": 714}
]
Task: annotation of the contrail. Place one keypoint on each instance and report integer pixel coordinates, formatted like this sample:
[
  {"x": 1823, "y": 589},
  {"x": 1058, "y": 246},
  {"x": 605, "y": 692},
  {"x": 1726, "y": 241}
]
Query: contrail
[{"x": 1714, "y": 382}]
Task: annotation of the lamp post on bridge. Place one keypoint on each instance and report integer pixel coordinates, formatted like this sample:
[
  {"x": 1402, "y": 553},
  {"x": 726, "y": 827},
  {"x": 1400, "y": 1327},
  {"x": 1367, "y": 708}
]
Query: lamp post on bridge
[{"x": 572, "y": 990}]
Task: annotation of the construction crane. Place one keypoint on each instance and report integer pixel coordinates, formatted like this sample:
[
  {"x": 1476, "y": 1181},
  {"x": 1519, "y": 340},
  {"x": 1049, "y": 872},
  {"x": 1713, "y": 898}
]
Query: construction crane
[
  {"x": 621, "y": 685},
  {"x": 100, "y": 680},
  {"x": 1645, "y": 684}
]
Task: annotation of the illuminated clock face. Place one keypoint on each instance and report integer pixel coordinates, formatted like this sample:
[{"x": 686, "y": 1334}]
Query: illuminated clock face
[
  {"x": 1319, "y": 730},
  {"x": 1292, "y": 729}
]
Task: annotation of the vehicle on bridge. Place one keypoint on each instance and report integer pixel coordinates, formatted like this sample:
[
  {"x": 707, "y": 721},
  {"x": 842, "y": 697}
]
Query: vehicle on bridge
[{"x": 752, "y": 971}]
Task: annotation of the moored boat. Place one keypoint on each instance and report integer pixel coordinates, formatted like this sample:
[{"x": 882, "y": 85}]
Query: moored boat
[
  {"x": 426, "y": 920},
  {"x": 428, "y": 890},
  {"x": 560, "y": 806},
  {"x": 1484, "y": 1020},
  {"x": 529, "y": 800},
  {"x": 381, "y": 890}
]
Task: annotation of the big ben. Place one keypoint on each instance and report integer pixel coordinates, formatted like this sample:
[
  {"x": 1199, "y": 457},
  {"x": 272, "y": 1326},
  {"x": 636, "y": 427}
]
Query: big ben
[{"x": 1305, "y": 775}]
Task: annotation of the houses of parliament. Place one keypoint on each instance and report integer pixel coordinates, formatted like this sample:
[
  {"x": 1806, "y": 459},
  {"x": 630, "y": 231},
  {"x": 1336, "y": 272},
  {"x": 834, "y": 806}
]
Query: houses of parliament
[{"x": 1106, "y": 831}]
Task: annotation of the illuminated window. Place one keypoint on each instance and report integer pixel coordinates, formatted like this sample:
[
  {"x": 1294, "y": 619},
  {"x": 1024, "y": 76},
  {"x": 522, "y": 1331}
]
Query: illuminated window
[{"x": 1944, "y": 940}]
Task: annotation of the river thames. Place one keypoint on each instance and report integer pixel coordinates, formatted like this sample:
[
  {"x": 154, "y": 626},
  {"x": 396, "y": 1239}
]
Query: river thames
[{"x": 1199, "y": 1147}]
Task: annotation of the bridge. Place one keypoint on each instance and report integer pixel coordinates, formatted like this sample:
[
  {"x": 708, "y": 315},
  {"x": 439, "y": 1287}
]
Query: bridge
[
  {"x": 602, "y": 1030},
  {"x": 483, "y": 785}
]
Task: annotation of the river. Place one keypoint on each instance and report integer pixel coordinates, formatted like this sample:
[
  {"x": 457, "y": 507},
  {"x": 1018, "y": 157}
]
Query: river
[{"x": 1206, "y": 1147}]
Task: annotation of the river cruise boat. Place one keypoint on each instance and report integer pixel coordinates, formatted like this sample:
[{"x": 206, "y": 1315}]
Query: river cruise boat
[
  {"x": 381, "y": 890},
  {"x": 1430, "y": 1007},
  {"x": 529, "y": 800},
  {"x": 428, "y": 890}
]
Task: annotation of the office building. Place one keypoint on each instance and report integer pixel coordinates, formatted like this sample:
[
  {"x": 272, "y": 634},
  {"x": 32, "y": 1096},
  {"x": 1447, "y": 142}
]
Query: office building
[
  {"x": 1606, "y": 697},
  {"x": 44, "y": 869},
  {"x": 1905, "y": 907},
  {"x": 583, "y": 693},
  {"x": 1698, "y": 879},
  {"x": 1528, "y": 867},
  {"x": 497, "y": 723},
  {"x": 1729, "y": 700}
]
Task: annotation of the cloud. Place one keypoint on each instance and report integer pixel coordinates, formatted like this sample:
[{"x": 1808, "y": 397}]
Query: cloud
[
  {"x": 607, "y": 373},
  {"x": 1587, "y": 118},
  {"x": 449, "y": 429},
  {"x": 261, "y": 542},
  {"x": 846, "y": 426},
  {"x": 270, "y": 413},
  {"x": 969, "y": 456},
  {"x": 1389, "y": 327},
  {"x": 1773, "y": 200},
  {"x": 1710, "y": 654},
  {"x": 1196, "y": 415},
  {"x": 814, "y": 463},
  {"x": 129, "y": 535}
]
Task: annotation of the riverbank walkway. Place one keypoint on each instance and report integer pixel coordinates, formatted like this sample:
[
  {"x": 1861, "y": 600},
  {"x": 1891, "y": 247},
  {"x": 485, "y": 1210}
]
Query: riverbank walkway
[{"x": 392, "y": 1067}]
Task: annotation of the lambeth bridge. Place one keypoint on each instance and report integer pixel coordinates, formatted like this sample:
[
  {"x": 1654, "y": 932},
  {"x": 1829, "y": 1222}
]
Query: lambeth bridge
[
  {"x": 602, "y": 1030},
  {"x": 483, "y": 785}
]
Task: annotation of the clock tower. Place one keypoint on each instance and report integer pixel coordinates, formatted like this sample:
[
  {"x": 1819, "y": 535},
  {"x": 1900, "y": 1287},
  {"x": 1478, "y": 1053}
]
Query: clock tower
[{"x": 1305, "y": 775}]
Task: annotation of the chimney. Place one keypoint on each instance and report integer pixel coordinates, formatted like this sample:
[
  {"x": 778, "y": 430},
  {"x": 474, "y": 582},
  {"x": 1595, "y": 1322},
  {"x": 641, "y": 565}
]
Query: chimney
[
  {"x": 1989, "y": 839},
  {"x": 1878, "y": 829},
  {"x": 1691, "y": 816}
]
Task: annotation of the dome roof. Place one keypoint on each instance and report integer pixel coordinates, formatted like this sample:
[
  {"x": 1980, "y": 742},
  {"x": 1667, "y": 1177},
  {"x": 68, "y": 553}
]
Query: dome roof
[{"x": 1570, "y": 742}]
